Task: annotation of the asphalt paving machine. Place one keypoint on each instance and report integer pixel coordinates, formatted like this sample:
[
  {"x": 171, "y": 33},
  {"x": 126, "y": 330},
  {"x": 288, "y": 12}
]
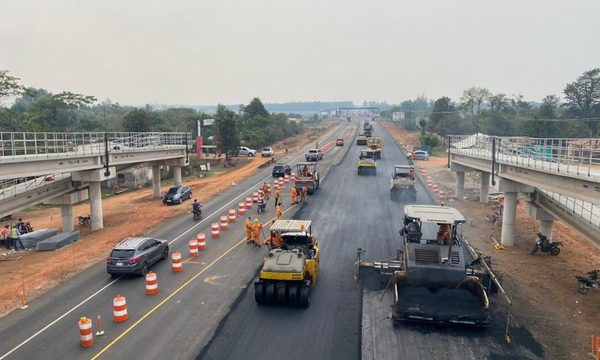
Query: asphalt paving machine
[
  {"x": 289, "y": 272},
  {"x": 374, "y": 143},
  {"x": 403, "y": 183},
  {"x": 307, "y": 176},
  {"x": 436, "y": 276},
  {"x": 366, "y": 163}
]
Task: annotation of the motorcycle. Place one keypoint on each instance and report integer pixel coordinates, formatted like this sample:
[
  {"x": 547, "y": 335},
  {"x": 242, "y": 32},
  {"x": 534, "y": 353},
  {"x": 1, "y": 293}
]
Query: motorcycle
[
  {"x": 260, "y": 207},
  {"x": 85, "y": 220},
  {"x": 589, "y": 281},
  {"x": 197, "y": 214},
  {"x": 552, "y": 248}
]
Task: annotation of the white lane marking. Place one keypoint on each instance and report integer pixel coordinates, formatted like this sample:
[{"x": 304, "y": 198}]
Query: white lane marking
[
  {"x": 117, "y": 279},
  {"x": 58, "y": 319}
]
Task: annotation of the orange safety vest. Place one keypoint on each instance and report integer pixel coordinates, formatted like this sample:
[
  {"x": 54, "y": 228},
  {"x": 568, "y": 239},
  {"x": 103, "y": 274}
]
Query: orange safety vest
[
  {"x": 248, "y": 225},
  {"x": 277, "y": 193}
]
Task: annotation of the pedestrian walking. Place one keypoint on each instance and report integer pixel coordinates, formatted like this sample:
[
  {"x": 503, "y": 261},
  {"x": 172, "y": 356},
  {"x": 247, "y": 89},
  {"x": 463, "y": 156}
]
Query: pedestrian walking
[
  {"x": 248, "y": 224},
  {"x": 256, "y": 229},
  {"x": 5, "y": 236},
  {"x": 265, "y": 189},
  {"x": 277, "y": 195},
  {"x": 303, "y": 194},
  {"x": 293, "y": 194},
  {"x": 278, "y": 211}
]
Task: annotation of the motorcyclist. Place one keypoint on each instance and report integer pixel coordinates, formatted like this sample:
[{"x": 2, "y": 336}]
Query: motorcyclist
[
  {"x": 196, "y": 207},
  {"x": 260, "y": 203},
  {"x": 543, "y": 239}
]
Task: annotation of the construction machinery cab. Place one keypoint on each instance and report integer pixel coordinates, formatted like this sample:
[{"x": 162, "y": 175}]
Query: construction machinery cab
[
  {"x": 307, "y": 176},
  {"x": 403, "y": 171},
  {"x": 366, "y": 154},
  {"x": 289, "y": 272}
]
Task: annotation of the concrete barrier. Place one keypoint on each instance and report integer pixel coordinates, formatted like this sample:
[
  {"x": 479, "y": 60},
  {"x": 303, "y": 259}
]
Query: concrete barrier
[
  {"x": 57, "y": 241},
  {"x": 31, "y": 239}
]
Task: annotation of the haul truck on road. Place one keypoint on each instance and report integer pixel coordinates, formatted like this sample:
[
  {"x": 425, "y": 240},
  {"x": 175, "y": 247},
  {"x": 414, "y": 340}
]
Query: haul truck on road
[{"x": 403, "y": 183}]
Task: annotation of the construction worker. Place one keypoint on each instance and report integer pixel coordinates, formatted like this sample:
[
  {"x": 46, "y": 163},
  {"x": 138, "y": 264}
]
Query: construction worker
[
  {"x": 5, "y": 236},
  {"x": 294, "y": 195},
  {"x": 444, "y": 234},
  {"x": 277, "y": 195},
  {"x": 15, "y": 238},
  {"x": 256, "y": 228},
  {"x": 278, "y": 211},
  {"x": 305, "y": 171},
  {"x": 303, "y": 194},
  {"x": 265, "y": 189},
  {"x": 248, "y": 224},
  {"x": 275, "y": 240}
]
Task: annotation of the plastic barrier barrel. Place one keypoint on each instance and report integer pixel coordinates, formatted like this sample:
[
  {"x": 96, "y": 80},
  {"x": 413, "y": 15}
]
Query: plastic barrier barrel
[
  {"x": 119, "y": 309},
  {"x": 224, "y": 222},
  {"x": 286, "y": 179},
  {"x": 201, "y": 241},
  {"x": 86, "y": 336},
  {"x": 193, "y": 248},
  {"x": 232, "y": 215},
  {"x": 214, "y": 230},
  {"x": 242, "y": 208},
  {"x": 176, "y": 262},
  {"x": 151, "y": 284},
  {"x": 248, "y": 203},
  {"x": 255, "y": 196}
]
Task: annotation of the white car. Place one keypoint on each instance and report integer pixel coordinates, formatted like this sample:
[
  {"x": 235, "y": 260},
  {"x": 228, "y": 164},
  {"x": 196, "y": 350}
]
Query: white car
[
  {"x": 267, "y": 152},
  {"x": 246, "y": 151}
]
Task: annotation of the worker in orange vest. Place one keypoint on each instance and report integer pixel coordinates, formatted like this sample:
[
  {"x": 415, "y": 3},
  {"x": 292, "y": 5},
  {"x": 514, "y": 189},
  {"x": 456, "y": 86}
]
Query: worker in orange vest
[
  {"x": 278, "y": 211},
  {"x": 265, "y": 189},
  {"x": 294, "y": 194},
  {"x": 275, "y": 240},
  {"x": 277, "y": 195},
  {"x": 256, "y": 228},
  {"x": 248, "y": 224},
  {"x": 303, "y": 194}
]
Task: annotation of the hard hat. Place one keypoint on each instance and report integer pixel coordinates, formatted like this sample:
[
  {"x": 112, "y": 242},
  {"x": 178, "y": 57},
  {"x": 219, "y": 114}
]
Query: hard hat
[{"x": 255, "y": 220}]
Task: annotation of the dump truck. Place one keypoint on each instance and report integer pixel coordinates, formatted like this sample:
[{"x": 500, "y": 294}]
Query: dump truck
[
  {"x": 366, "y": 163},
  {"x": 361, "y": 139},
  {"x": 289, "y": 272},
  {"x": 436, "y": 276},
  {"x": 374, "y": 143},
  {"x": 307, "y": 176},
  {"x": 403, "y": 183}
]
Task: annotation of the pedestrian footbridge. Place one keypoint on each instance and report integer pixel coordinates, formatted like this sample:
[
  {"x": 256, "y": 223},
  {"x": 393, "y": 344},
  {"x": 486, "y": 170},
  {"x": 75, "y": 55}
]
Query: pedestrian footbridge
[
  {"x": 65, "y": 168},
  {"x": 561, "y": 177}
]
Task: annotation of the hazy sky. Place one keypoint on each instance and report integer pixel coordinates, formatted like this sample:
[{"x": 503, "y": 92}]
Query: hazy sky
[{"x": 228, "y": 51}]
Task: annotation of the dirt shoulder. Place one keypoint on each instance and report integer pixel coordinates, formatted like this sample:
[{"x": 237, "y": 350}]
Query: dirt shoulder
[
  {"x": 127, "y": 214},
  {"x": 542, "y": 288}
]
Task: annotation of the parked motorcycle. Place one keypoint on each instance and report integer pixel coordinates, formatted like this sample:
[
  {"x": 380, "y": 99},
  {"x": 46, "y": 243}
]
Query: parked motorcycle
[
  {"x": 589, "y": 281},
  {"x": 542, "y": 244},
  {"x": 85, "y": 220}
]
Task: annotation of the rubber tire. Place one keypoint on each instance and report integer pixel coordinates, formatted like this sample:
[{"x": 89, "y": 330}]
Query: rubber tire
[
  {"x": 144, "y": 270},
  {"x": 280, "y": 291},
  {"x": 259, "y": 293},
  {"x": 292, "y": 295},
  {"x": 250, "y": 155},
  {"x": 532, "y": 252},
  {"x": 304, "y": 298},
  {"x": 269, "y": 293},
  {"x": 555, "y": 251},
  {"x": 581, "y": 288},
  {"x": 165, "y": 254}
]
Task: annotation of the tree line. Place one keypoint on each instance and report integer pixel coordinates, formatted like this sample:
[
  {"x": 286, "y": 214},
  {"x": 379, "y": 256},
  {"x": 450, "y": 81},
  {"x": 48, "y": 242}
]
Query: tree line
[
  {"x": 38, "y": 110},
  {"x": 575, "y": 114}
]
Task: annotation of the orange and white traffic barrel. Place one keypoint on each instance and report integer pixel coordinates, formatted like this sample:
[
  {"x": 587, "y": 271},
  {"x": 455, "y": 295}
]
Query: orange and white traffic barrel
[
  {"x": 255, "y": 196},
  {"x": 86, "y": 336},
  {"x": 193, "y": 248},
  {"x": 280, "y": 180},
  {"x": 201, "y": 241},
  {"x": 269, "y": 187},
  {"x": 214, "y": 230},
  {"x": 261, "y": 193},
  {"x": 232, "y": 215},
  {"x": 248, "y": 203},
  {"x": 286, "y": 179},
  {"x": 119, "y": 309},
  {"x": 293, "y": 176},
  {"x": 242, "y": 208},
  {"x": 176, "y": 262},
  {"x": 224, "y": 222},
  {"x": 151, "y": 283},
  {"x": 435, "y": 188}
]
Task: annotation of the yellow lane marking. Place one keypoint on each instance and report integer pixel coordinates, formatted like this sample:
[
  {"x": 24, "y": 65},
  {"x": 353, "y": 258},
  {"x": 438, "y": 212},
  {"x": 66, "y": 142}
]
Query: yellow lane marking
[{"x": 135, "y": 324}]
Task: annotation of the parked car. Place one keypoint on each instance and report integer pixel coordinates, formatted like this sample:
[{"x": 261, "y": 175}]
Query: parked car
[
  {"x": 136, "y": 255},
  {"x": 177, "y": 194},
  {"x": 419, "y": 155},
  {"x": 280, "y": 170},
  {"x": 313, "y": 155},
  {"x": 339, "y": 142},
  {"x": 244, "y": 151},
  {"x": 267, "y": 152}
]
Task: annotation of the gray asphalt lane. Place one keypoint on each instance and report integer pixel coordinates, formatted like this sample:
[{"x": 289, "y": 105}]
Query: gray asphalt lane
[
  {"x": 350, "y": 211},
  {"x": 55, "y": 314}
]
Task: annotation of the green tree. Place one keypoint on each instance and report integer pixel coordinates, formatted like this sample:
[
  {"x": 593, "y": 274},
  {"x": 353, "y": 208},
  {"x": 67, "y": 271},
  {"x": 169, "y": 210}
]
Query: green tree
[
  {"x": 137, "y": 120},
  {"x": 548, "y": 107},
  {"x": 255, "y": 108},
  {"x": 498, "y": 102},
  {"x": 422, "y": 125},
  {"x": 442, "y": 107},
  {"x": 226, "y": 130},
  {"x": 9, "y": 85},
  {"x": 583, "y": 95}
]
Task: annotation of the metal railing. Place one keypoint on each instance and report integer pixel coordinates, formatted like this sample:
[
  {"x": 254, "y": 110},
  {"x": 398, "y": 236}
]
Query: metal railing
[
  {"x": 587, "y": 211},
  {"x": 574, "y": 156},
  {"x": 28, "y": 145},
  {"x": 13, "y": 187}
]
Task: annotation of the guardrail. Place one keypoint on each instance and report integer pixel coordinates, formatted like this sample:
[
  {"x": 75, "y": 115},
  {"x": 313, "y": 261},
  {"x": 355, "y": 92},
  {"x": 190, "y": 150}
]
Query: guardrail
[
  {"x": 14, "y": 187},
  {"x": 577, "y": 156},
  {"x": 587, "y": 211},
  {"x": 27, "y": 145}
]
